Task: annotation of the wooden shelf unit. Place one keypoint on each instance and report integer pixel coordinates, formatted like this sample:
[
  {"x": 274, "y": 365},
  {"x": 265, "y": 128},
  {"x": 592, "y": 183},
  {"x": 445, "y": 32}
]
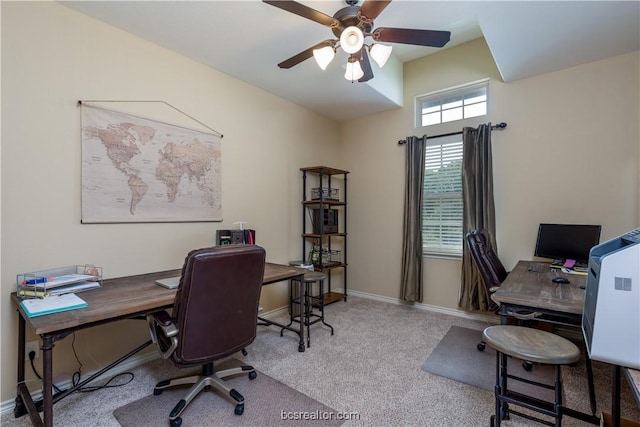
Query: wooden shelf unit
[{"x": 324, "y": 176}]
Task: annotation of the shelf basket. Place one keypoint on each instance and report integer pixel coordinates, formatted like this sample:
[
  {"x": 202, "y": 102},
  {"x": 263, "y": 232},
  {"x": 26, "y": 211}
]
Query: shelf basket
[{"x": 327, "y": 193}]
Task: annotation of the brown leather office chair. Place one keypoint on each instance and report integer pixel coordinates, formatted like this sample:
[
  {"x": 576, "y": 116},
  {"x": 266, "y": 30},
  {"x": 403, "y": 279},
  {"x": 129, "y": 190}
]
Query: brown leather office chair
[{"x": 215, "y": 314}]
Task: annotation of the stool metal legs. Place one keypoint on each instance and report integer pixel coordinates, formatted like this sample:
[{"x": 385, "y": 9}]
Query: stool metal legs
[
  {"x": 504, "y": 396},
  {"x": 306, "y": 303}
]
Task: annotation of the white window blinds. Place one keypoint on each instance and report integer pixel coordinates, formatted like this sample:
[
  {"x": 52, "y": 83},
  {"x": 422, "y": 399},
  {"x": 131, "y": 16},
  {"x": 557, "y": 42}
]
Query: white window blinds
[{"x": 442, "y": 198}]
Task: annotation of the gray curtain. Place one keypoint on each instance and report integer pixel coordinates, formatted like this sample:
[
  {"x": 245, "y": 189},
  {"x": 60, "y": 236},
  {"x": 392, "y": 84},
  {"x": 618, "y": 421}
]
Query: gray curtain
[
  {"x": 411, "y": 289},
  {"x": 479, "y": 210}
]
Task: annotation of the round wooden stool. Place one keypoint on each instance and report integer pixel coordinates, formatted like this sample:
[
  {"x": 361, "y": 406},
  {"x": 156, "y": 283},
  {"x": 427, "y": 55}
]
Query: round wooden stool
[
  {"x": 306, "y": 303},
  {"x": 536, "y": 346}
]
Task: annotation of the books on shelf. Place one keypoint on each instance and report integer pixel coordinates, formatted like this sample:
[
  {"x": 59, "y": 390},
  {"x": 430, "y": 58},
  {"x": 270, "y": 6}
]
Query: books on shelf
[{"x": 52, "y": 304}]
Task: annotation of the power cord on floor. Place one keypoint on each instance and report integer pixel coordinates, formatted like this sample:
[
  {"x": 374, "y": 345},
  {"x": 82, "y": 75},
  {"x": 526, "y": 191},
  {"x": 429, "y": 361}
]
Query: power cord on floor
[
  {"x": 77, "y": 375},
  {"x": 32, "y": 357}
]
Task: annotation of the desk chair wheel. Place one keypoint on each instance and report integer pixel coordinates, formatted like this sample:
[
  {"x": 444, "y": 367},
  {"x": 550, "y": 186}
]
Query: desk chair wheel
[
  {"x": 176, "y": 422},
  {"x": 481, "y": 346},
  {"x": 239, "y": 409},
  {"x": 253, "y": 375}
]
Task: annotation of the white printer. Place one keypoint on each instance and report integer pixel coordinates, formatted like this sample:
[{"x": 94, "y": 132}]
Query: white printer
[{"x": 611, "y": 316}]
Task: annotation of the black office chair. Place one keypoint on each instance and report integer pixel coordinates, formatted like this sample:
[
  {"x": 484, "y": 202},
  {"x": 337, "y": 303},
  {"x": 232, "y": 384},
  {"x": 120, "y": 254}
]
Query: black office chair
[
  {"x": 493, "y": 273},
  {"x": 215, "y": 314},
  {"x": 489, "y": 265}
]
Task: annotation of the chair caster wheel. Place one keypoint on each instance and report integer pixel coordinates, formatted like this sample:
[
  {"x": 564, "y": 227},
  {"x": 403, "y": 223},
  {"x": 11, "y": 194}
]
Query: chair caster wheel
[
  {"x": 157, "y": 391},
  {"x": 492, "y": 421},
  {"x": 177, "y": 422},
  {"x": 527, "y": 366},
  {"x": 253, "y": 375},
  {"x": 481, "y": 346},
  {"x": 239, "y": 409}
]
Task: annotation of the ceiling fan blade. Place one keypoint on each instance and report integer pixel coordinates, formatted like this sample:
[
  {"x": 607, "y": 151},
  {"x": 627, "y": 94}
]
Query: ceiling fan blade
[
  {"x": 365, "y": 64},
  {"x": 371, "y": 9},
  {"x": 409, "y": 36},
  {"x": 305, "y": 12},
  {"x": 304, "y": 55}
]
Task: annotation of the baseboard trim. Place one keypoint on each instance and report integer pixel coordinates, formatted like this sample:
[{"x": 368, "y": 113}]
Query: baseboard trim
[
  {"x": 493, "y": 319},
  {"x": 6, "y": 408}
]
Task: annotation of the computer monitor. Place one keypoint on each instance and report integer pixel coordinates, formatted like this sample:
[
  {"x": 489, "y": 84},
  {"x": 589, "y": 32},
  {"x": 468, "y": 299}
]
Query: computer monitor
[{"x": 567, "y": 241}]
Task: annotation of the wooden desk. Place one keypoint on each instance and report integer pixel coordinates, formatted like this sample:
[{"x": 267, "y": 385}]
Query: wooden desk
[
  {"x": 529, "y": 288},
  {"x": 117, "y": 299}
]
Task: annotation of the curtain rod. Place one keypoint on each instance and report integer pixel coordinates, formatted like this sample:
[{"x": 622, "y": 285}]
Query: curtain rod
[{"x": 498, "y": 126}]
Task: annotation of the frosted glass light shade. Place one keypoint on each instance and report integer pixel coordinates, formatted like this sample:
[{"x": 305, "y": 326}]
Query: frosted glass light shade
[
  {"x": 351, "y": 39},
  {"x": 324, "y": 56},
  {"x": 380, "y": 53},
  {"x": 354, "y": 71}
]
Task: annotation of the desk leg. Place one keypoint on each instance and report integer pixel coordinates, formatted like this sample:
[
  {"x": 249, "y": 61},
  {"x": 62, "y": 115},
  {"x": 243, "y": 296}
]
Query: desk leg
[
  {"x": 24, "y": 401},
  {"x": 592, "y": 389},
  {"x": 615, "y": 395},
  {"x": 47, "y": 379},
  {"x": 301, "y": 292}
]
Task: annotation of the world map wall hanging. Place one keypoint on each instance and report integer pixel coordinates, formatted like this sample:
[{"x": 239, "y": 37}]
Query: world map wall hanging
[{"x": 136, "y": 169}]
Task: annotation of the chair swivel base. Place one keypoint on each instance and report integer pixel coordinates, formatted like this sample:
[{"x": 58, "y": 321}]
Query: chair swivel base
[{"x": 202, "y": 382}]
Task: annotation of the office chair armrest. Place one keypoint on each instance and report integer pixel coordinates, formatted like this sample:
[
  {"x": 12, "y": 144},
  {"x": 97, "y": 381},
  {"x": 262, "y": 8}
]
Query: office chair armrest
[
  {"x": 161, "y": 321},
  {"x": 162, "y": 318}
]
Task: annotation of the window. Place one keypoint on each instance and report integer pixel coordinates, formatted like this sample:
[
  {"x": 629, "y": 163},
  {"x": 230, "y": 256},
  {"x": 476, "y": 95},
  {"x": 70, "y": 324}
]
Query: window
[
  {"x": 452, "y": 104},
  {"x": 442, "y": 197}
]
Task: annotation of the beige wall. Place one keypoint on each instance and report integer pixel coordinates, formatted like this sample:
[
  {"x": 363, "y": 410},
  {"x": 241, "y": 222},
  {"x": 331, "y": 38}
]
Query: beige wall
[
  {"x": 51, "y": 58},
  {"x": 569, "y": 154}
]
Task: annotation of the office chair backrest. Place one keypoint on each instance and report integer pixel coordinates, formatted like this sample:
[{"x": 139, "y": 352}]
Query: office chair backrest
[
  {"x": 216, "y": 305},
  {"x": 491, "y": 268}
]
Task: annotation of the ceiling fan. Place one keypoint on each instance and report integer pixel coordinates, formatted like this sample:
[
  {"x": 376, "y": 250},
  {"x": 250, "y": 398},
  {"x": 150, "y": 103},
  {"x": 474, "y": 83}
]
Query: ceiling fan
[{"x": 350, "y": 25}]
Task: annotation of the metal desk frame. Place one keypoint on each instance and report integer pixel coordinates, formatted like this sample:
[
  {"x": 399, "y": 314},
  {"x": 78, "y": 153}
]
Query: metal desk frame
[{"x": 120, "y": 298}]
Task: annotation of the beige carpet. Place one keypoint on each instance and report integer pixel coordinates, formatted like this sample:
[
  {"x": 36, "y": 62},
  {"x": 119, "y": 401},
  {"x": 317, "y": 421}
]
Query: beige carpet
[
  {"x": 456, "y": 357},
  {"x": 370, "y": 367},
  {"x": 267, "y": 403}
]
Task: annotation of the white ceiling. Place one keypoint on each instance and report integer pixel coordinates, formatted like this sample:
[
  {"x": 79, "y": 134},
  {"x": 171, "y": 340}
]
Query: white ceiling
[{"x": 246, "y": 39}]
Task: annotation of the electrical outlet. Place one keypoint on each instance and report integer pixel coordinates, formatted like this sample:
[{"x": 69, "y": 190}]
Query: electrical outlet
[{"x": 31, "y": 346}]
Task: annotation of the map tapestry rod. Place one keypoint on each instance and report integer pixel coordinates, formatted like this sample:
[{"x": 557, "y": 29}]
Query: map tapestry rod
[{"x": 162, "y": 102}]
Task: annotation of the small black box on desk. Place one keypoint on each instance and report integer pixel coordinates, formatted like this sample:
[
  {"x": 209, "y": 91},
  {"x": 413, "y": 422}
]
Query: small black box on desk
[{"x": 235, "y": 237}]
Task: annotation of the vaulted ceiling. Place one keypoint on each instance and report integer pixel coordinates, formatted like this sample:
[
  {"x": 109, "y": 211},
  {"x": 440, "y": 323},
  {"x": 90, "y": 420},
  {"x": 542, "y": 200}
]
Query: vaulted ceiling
[{"x": 246, "y": 39}]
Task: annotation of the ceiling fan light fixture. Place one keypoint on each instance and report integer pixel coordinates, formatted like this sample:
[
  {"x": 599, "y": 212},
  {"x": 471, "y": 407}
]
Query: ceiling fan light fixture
[
  {"x": 351, "y": 39},
  {"x": 354, "y": 70},
  {"x": 380, "y": 53},
  {"x": 324, "y": 56}
]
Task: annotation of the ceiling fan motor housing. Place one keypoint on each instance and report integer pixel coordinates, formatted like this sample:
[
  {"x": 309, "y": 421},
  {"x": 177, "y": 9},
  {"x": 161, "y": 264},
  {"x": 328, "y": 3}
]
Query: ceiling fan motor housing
[{"x": 348, "y": 17}]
